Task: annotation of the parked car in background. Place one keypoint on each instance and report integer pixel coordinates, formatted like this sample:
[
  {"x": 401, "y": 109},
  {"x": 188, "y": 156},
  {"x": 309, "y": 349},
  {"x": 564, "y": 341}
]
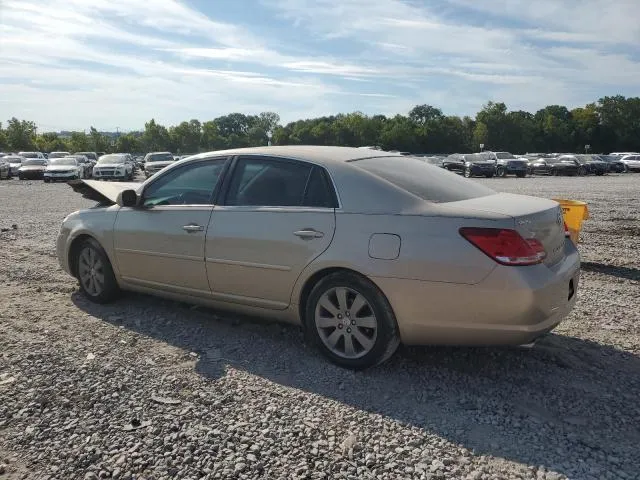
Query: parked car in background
[
  {"x": 85, "y": 165},
  {"x": 365, "y": 249},
  {"x": 507, "y": 164},
  {"x": 622, "y": 154},
  {"x": 553, "y": 166},
  {"x": 156, "y": 161},
  {"x": 631, "y": 162},
  {"x": 593, "y": 164},
  {"x": 53, "y": 155},
  {"x": 32, "y": 168},
  {"x": 615, "y": 163},
  {"x": 32, "y": 155},
  {"x": 115, "y": 166},
  {"x": 15, "y": 162},
  {"x": 571, "y": 158},
  {"x": 5, "y": 168},
  {"x": 471, "y": 164},
  {"x": 66, "y": 168},
  {"x": 89, "y": 155}
]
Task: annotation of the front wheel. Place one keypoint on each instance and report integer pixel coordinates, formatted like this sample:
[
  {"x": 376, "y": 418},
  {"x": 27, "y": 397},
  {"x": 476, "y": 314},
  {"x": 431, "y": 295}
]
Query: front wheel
[
  {"x": 501, "y": 172},
  {"x": 467, "y": 172},
  {"x": 350, "y": 320},
  {"x": 94, "y": 272}
]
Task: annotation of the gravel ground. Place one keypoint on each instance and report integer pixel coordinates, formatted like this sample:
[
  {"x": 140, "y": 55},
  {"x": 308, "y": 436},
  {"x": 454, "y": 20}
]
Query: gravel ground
[{"x": 147, "y": 388}]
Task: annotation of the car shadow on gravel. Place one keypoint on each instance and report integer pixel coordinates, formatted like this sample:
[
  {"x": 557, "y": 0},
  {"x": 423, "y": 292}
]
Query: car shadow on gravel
[
  {"x": 628, "y": 273},
  {"x": 564, "y": 404}
]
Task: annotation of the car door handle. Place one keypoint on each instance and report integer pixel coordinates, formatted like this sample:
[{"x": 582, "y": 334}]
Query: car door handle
[
  {"x": 192, "y": 227},
  {"x": 308, "y": 234}
]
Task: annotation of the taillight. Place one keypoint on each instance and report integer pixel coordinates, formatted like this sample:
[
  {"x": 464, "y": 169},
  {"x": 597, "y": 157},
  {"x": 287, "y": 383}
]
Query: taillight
[
  {"x": 505, "y": 246},
  {"x": 567, "y": 233}
]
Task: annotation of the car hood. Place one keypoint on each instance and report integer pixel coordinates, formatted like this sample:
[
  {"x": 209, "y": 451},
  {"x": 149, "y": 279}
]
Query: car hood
[
  {"x": 109, "y": 165},
  {"x": 105, "y": 192},
  {"x": 484, "y": 164},
  {"x": 161, "y": 164},
  {"x": 60, "y": 168},
  {"x": 32, "y": 167}
]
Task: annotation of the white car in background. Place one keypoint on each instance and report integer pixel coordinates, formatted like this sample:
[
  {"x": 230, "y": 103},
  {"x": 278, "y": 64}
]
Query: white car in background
[
  {"x": 115, "y": 166},
  {"x": 631, "y": 162},
  {"x": 15, "y": 162},
  {"x": 66, "y": 168}
]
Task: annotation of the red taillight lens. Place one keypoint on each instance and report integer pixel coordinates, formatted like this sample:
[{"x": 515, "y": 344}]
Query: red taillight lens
[{"x": 505, "y": 246}]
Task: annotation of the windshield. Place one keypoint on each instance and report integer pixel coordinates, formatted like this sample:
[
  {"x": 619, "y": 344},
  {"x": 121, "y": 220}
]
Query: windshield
[
  {"x": 29, "y": 154},
  {"x": 160, "y": 157},
  {"x": 34, "y": 161},
  {"x": 63, "y": 161},
  {"x": 58, "y": 154},
  {"x": 111, "y": 159},
  {"x": 423, "y": 180},
  {"x": 89, "y": 155},
  {"x": 504, "y": 156}
]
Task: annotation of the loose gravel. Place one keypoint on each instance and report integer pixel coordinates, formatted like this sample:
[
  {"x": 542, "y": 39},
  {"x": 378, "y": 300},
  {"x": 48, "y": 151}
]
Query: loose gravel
[{"x": 152, "y": 389}]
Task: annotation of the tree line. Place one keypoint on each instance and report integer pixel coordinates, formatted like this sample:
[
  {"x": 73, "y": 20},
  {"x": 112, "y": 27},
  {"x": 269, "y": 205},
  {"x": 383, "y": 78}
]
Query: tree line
[{"x": 611, "y": 123}]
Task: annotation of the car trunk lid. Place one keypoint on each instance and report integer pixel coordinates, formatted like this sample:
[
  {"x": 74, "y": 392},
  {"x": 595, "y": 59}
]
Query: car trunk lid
[{"x": 533, "y": 218}]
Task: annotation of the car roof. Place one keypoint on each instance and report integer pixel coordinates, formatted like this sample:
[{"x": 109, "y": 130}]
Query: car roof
[{"x": 317, "y": 154}]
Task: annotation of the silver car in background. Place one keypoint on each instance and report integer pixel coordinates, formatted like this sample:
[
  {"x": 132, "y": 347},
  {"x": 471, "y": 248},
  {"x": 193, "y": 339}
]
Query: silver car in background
[
  {"x": 365, "y": 249},
  {"x": 156, "y": 161},
  {"x": 115, "y": 166}
]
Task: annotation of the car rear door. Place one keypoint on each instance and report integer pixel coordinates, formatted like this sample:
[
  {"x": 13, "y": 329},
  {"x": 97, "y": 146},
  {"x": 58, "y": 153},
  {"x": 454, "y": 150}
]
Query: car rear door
[
  {"x": 161, "y": 243},
  {"x": 276, "y": 217}
]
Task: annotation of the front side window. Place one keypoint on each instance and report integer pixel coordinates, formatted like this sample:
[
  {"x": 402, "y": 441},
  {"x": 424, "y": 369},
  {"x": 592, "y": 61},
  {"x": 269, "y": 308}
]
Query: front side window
[
  {"x": 189, "y": 185},
  {"x": 268, "y": 182}
]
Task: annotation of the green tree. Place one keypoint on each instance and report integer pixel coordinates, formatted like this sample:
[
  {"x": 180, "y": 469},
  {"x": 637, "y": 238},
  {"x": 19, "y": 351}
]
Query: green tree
[
  {"x": 128, "y": 143},
  {"x": 186, "y": 136},
  {"x": 21, "y": 134},
  {"x": 51, "y": 142},
  {"x": 155, "y": 137},
  {"x": 480, "y": 135},
  {"x": 4, "y": 142},
  {"x": 79, "y": 142}
]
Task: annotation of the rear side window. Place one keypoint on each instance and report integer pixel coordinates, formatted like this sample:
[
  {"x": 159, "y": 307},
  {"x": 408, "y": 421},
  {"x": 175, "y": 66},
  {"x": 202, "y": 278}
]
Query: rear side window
[
  {"x": 423, "y": 180},
  {"x": 319, "y": 191},
  {"x": 268, "y": 182}
]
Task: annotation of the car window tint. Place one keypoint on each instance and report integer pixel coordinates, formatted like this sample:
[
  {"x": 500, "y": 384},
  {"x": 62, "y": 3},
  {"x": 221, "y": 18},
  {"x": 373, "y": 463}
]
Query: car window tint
[
  {"x": 319, "y": 191},
  {"x": 423, "y": 180},
  {"x": 188, "y": 185},
  {"x": 268, "y": 182}
]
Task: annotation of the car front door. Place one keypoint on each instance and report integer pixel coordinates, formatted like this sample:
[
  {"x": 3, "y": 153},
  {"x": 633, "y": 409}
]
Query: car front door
[
  {"x": 277, "y": 216},
  {"x": 160, "y": 244}
]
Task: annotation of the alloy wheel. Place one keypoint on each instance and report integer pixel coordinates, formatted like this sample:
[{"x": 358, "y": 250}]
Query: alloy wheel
[
  {"x": 91, "y": 271},
  {"x": 346, "y": 322}
]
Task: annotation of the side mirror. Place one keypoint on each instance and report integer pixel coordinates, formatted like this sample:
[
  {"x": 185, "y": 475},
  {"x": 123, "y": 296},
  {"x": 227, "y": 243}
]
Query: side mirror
[{"x": 127, "y": 198}]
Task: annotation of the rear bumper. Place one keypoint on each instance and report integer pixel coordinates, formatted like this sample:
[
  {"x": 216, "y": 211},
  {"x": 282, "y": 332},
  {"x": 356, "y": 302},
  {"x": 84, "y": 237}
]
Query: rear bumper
[{"x": 512, "y": 306}]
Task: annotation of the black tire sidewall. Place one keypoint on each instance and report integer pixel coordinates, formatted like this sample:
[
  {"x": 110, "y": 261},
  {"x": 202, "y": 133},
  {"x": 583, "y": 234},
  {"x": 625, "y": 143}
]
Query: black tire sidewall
[
  {"x": 387, "y": 339},
  {"x": 111, "y": 289}
]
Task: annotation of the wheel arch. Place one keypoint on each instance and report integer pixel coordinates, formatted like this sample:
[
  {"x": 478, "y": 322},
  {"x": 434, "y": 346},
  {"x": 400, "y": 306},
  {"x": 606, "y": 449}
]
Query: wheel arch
[
  {"x": 317, "y": 276},
  {"x": 74, "y": 248}
]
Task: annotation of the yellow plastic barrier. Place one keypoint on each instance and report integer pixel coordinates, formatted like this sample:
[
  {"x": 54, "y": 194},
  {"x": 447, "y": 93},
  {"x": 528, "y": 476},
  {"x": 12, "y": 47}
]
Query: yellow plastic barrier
[{"x": 574, "y": 213}]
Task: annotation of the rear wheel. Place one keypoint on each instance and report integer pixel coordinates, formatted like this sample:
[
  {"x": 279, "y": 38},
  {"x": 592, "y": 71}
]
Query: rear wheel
[
  {"x": 349, "y": 319},
  {"x": 94, "y": 272},
  {"x": 501, "y": 172},
  {"x": 467, "y": 172}
]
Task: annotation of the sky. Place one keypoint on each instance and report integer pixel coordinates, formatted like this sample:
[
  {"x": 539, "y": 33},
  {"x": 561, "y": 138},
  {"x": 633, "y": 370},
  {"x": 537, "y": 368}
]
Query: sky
[{"x": 115, "y": 64}]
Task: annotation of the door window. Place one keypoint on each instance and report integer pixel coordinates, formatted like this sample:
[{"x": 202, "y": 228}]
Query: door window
[
  {"x": 189, "y": 185},
  {"x": 268, "y": 182}
]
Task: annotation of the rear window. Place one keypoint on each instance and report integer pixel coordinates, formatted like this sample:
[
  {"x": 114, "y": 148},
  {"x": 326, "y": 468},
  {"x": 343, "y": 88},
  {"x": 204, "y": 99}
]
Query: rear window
[
  {"x": 160, "y": 157},
  {"x": 423, "y": 180}
]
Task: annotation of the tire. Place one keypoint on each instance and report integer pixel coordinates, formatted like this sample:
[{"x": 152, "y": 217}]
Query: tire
[
  {"x": 501, "y": 172},
  {"x": 46, "y": 180},
  {"x": 467, "y": 173},
  {"x": 370, "y": 345},
  {"x": 90, "y": 257},
  {"x": 582, "y": 172}
]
